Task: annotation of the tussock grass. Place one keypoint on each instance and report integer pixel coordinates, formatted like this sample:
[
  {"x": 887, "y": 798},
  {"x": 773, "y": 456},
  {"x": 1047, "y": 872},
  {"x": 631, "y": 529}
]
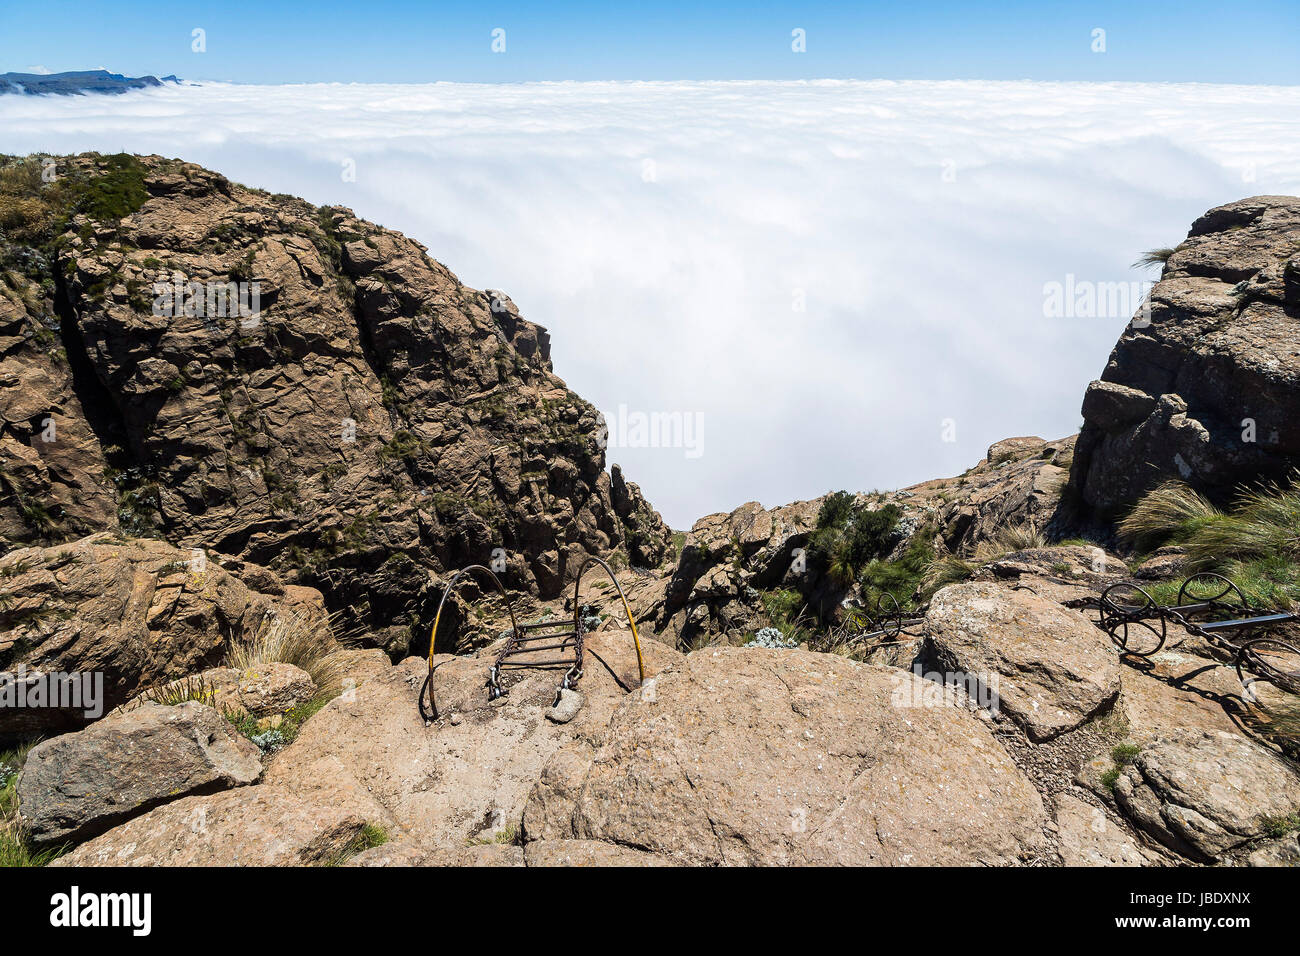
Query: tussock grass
[
  {"x": 949, "y": 569},
  {"x": 371, "y": 836},
  {"x": 1173, "y": 513},
  {"x": 955, "y": 568},
  {"x": 512, "y": 834},
  {"x": 1153, "y": 257},
  {"x": 1255, "y": 543},
  {"x": 194, "y": 687},
  {"x": 293, "y": 638},
  {"x": 1012, "y": 538}
]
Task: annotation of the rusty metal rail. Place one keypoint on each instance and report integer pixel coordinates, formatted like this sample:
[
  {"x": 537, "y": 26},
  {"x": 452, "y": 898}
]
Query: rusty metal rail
[
  {"x": 1209, "y": 606},
  {"x": 885, "y": 622},
  {"x": 427, "y": 687}
]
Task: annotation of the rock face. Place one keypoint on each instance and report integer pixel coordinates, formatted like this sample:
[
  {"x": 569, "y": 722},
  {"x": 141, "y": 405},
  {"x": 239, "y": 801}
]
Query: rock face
[
  {"x": 367, "y": 424},
  {"x": 1204, "y": 793},
  {"x": 1049, "y": 668},
  {"x": 753, "y": 756},
  {"x": 1209, "y": 390},
  {"x": 132, "y": 611},
  {"x": 724, "y": 558},
  {"x": 81, "y": 784}
]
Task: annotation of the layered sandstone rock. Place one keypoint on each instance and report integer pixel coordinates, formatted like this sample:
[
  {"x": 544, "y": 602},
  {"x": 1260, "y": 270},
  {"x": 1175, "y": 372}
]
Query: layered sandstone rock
[
  {"x": 1207, "y": 388},
  {"x": 132, "y": 613},
  {"x": 1204, "y": 793},
  {"x": 252, "y": 826},
  {"x": 1048, "y": 667},
  {"x": 753, "y": 756}
]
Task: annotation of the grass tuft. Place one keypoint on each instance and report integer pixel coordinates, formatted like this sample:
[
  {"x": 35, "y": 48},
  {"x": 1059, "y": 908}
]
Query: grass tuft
[
  {"x": 305, "y": 641},
  {"x": 1153, "y": 257},
  {"x": 1256, "y": 543},
  {"x": 15, "y": 850}
]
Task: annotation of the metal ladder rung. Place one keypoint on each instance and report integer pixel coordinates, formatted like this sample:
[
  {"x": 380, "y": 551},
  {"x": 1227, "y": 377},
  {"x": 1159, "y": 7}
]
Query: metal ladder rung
[
  {"x": 521, "y": 639},
  {"x": 544, "y": 647},
  {"x": 540, "y": 665}
]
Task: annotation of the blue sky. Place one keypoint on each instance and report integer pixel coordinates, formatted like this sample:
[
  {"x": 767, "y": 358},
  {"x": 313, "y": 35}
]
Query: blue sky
[{"x": 406, "y": 41}]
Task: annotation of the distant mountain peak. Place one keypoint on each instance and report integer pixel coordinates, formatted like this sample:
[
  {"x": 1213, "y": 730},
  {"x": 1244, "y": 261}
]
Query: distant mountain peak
[{"x": 80, "y": 81}]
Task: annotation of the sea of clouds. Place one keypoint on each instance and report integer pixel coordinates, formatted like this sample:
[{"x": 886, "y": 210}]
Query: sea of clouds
[{"x": 830, "y": 277}]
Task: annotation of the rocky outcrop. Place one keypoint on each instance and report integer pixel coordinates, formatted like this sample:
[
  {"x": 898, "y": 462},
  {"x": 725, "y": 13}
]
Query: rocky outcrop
[
  {"x": 77, "y": 81},
  {"x": 262, "y": 691},
  {"x": 365, "y": 426},
  {"x": 131, "y": 613},
  {"x": 81, "y": 784},
  {"x": 729, "y": 559},
  {"x": 1205, "y": 793},
  {"x": 752, "y": 756},
  {"x": 1049, "y": 668},
  {"x": 725, "y": 559},
  {"x": 1206, "y": 388}
]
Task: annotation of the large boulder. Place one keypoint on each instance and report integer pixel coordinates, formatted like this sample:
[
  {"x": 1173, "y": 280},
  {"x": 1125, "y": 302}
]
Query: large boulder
[
  {"x": 252, "y": 826},
  {"x": 767, "y": 757},
  {"x": 1206, "y": 388},
  {"x": 261, "y": 691},
  {"x": 1046, "y": 666},
  {"x": 80, "y": 784},
  {"x": 131, "y": 613},
  {"x": 1204, "y": 793}
]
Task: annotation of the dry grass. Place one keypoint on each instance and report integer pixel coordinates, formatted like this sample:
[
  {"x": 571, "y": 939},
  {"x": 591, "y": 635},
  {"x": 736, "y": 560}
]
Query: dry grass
[
  {"x": 1256, "y": 542},
  {"x": 1172, "y": 512},
  {"x": 194, "y": 687},
  {"x": 1154, "y": 257},
  {"x": 949, "y": 569},
  {"x": 1014, "y": 538},
  {"x": 305, "y": 641},
  {"x": 1262, "y": 523}
]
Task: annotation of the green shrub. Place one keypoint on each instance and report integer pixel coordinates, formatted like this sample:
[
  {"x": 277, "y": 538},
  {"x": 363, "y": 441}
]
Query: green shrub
[
  {"x": 1280, "y": 826},
  {"x": 117, "y": 191},
  {"x": 848, "y": 536}
]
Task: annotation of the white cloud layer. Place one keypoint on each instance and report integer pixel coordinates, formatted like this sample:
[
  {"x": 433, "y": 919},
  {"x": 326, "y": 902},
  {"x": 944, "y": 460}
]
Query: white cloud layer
[{"x": 666, "y": 232}]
